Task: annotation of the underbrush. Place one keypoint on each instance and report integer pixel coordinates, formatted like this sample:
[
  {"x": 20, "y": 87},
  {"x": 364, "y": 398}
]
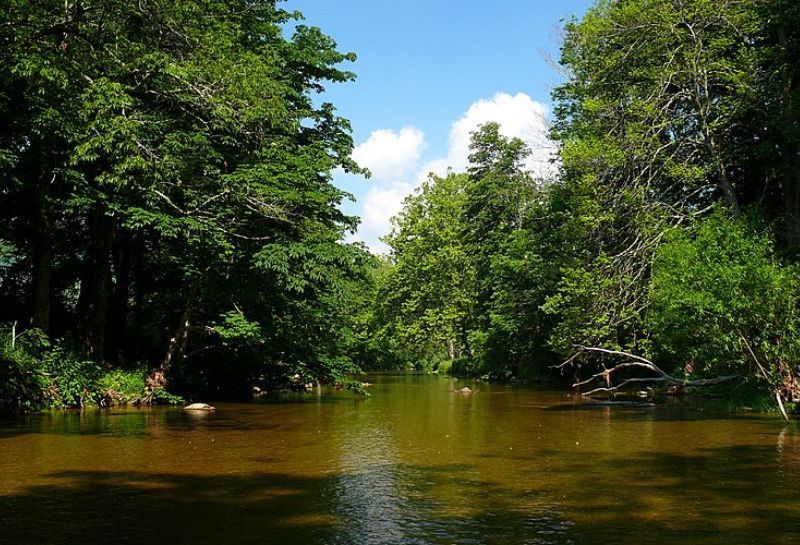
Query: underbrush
[
  {"x": 467, "y": 367},
  {"x": 753, "y": 395},
  {"x": 38, "y": 374}
]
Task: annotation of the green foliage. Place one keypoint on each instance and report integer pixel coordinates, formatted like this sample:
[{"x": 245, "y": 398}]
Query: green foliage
[
  {"x": 723, "y": 303},
  {"x": 468, "y": 272},
  {"x": 424, "y": 298},
  {"x": 21, "y": 381},
  {"x": 119, "y": 387},
  {"x": 578, "y": 290},
  {"x": 157, "y": 396},
  {"x": 467, "y": 366},
  {"x": 72, "y": 380},
  {"x": 36, "y": 374},
  {"x": 166, "y": 197},
  {"x": 236, "y": 327},
  {"x": 124, "y": 387},
  {"x": 653, "y": 135},
  {"x": 166, "y": 172}
]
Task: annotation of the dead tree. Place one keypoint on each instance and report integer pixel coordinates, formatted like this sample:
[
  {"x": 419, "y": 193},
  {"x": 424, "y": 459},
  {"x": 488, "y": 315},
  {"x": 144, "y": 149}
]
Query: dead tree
[{"x": 631, "y": 361}]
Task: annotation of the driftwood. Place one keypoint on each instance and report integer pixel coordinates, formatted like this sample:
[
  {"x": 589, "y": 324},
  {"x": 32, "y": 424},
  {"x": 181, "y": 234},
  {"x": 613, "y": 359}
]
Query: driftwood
[{"x": 635, "y": 362}]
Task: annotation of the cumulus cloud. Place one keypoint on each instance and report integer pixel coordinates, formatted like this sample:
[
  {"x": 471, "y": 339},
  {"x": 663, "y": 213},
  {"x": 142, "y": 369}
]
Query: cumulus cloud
[
  {"x": 393, "y": 157},
  {"x": 389, "y": 154},
  {"x": 519, "y": 116},
  {"x": 380, "y": 205}
]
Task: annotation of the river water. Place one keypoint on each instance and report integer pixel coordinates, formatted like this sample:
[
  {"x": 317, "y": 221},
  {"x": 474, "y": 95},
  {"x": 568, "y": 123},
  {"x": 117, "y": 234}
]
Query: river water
[{"x": 414, "y": 463}]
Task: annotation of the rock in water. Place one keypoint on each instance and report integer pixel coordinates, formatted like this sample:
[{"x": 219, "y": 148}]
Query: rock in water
[
  {"x": 199, "y": 407},
  {"x": 465, "y": 390}
]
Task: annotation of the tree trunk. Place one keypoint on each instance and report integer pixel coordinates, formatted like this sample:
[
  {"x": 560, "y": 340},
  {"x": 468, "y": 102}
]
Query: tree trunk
[
  {"x": 176, "y": 352},
  {"x": 451, "y": 349},
  {"x": 116, "y": 332},
  {"x": 724, "y": 180},
  {"x": 42, "y": 258},
  {"x": 95, "y": 283}
]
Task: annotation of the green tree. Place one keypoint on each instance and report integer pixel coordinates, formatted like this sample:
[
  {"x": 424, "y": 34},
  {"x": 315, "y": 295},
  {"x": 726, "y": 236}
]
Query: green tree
[
  {"x": 495, "y": 203},
  {"x": 425, "y": 299},
  {"x": 666, "y": 111},
  {"x": 467, "y": 276},
  {"x": 671, "y": 109},
  {"x": 503, "y": 241},
  {"x": 723, "y": 303},
  {"x": 167, "y": 183}
]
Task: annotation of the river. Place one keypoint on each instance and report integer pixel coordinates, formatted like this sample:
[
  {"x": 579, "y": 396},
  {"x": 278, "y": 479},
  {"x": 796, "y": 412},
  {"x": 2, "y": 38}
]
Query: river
[{"x": 414, "y": 463}]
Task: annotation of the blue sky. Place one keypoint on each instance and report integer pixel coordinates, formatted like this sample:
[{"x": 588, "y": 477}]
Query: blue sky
[{"x": 428, "y": 73}]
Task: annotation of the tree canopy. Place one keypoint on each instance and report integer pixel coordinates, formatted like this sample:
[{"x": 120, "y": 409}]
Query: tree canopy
[
  {"x": 670, "y": 231},
  {"x": 167, "y": 201},
  {"x": 166, "y": 187}
]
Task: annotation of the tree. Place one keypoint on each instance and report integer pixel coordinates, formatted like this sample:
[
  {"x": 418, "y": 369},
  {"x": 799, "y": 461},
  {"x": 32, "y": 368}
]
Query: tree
[
  {"x": 426, "y": 299},
  {"x": 672, "y": 109},
  {"x": 495, "y": 203},
  {"x": 465, "y": 273},
  {"x": 661, "y": 116},
  {"x": 723, "y": 303},
  {"x": 177, "y": 152},
  {"x": 501, "y": 237}
]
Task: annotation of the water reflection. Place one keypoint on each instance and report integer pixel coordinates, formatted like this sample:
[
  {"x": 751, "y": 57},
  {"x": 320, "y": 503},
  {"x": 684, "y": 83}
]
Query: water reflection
[
  {"x": 369, "y": 503},
  {"x": 415, "y": 463}
]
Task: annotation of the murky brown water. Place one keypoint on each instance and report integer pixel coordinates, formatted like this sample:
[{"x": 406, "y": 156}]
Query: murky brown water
[{"x": 415, "y": 463}]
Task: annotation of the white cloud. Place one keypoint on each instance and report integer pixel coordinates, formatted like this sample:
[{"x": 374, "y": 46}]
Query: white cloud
[
  {"x": 393, "y": 157},
  {"x": 380, "y": 205},
  {"x": 389, "y": 154},
  {"x": 519, "y": 116}
]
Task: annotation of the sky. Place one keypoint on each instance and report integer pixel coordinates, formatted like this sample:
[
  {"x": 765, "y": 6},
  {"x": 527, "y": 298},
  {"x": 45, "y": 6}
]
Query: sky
[{"x": 429, "y": 73}]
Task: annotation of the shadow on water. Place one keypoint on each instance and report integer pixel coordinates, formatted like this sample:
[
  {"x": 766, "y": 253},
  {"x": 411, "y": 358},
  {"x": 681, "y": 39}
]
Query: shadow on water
[
  {"x": 726, "y": 495},
  {"x": 138, "y": 421},
  {"x": 125, "y": 507},
  {"x": 129, "y": 422},
  {"x": 720, "y": 495}
]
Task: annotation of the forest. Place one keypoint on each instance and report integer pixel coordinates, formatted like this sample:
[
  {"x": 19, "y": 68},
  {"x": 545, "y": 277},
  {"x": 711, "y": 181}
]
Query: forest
[{"x": 169, "y": 223}]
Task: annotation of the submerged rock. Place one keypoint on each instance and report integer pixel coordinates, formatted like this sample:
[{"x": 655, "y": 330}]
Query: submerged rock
[
  {"x": 199, "y": 407},
  {"x": 464, "y": 390}
]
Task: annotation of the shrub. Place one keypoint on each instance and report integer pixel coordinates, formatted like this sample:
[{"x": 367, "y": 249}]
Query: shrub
[
  {"x": 723, "y": 303},
  {"x": 467, "y": 366},
  {"x": 36, "y": 374},
  {"x": 118, "y": 387}
]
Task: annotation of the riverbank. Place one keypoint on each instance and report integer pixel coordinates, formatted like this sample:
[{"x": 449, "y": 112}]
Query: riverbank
[{"x": 37, "y": 374}]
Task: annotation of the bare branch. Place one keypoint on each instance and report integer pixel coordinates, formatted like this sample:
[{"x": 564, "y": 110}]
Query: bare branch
[
  {"x": 168, "y": 201},
  {"x": 635, "y": 361},
  {"x": 606, "y": 373},
  {"x": 620, "y": 353}
]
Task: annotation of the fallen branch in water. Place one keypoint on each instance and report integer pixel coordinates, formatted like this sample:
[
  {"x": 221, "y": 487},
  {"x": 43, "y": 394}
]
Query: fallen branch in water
[
  {"x": 635, "y": 361},
  {"x": 766, "y": 376}
]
